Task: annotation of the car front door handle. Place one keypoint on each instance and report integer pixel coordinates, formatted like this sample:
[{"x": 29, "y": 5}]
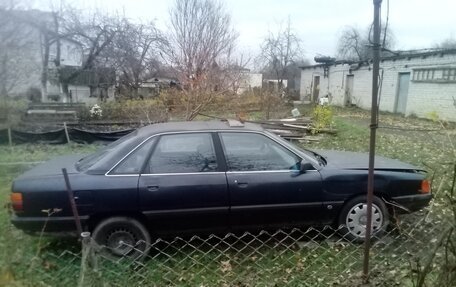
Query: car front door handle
[
  {"x": 241, "y": 184},
  {"x": 152, "y": 188}
]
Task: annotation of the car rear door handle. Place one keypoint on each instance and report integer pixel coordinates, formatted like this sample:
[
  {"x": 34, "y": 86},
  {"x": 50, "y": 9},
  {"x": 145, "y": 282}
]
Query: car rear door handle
[
  {"x": 152, "y": 188},
  {"x": 241, "y": 184}
]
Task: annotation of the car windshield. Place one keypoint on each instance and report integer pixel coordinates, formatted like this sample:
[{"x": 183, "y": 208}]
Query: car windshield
[{"x": 86, "y": 162}]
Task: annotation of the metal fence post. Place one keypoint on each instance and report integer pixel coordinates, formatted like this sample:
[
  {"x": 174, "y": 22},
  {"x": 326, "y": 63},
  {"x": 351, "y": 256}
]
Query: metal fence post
[
  {"x": 10, "y": 137},
  {"x": 72, "y": 202},
  {"x": 373, "y": 129},
  {"x": 86, "y": 251},
  {"x": 66, "y": 132}
]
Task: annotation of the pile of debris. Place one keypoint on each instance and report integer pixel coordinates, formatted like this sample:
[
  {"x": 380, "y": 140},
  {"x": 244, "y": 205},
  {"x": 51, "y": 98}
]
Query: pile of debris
[{"x": 294, "y": 128}]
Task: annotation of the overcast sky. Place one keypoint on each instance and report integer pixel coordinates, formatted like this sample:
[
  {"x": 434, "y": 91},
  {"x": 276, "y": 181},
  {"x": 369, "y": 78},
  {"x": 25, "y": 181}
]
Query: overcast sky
[{"x": 416, "y": 23}]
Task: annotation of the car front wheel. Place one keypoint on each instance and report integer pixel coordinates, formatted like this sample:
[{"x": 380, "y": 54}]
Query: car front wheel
[
  {"x": 353, "y": 218},
  {"x": 122, "y": 236}
]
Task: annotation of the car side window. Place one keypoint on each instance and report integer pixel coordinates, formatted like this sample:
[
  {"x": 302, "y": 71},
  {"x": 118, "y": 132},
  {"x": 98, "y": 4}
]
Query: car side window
[
  {"x": 183, "y": 153},
  {"x": 133, "y": 163},
  {"x": 256, "y": 152}
]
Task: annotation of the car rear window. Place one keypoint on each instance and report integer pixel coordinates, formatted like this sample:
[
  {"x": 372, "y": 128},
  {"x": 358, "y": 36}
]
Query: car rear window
[{"x": 88, "y": 161}]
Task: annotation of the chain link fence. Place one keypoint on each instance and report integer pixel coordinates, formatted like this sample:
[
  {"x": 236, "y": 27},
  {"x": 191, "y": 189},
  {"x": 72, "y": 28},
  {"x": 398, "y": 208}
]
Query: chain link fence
[{"x": 296, "y": 257}]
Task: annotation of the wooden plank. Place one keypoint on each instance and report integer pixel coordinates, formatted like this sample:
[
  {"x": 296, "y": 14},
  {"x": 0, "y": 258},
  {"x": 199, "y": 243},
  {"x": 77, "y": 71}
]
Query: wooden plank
[{"x": 297, "y": 126}]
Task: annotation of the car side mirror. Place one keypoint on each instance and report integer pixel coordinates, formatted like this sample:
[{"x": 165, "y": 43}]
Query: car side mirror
[{"x": 305, "y": 166}]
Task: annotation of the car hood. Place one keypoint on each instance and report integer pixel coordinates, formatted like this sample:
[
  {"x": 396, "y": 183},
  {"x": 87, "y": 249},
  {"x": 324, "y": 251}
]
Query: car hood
[
  {"x": 354, "y": 160},
  {"x": 53, "y": 167}
]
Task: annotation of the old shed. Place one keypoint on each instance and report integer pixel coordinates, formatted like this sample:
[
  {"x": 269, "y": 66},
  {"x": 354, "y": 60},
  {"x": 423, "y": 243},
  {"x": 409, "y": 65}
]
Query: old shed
[{"x": 421, "y": 83}]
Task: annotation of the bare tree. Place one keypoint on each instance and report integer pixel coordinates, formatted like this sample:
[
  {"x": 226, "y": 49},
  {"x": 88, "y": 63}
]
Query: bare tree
[
  {"x": 351, "y": 45},
  {"x": 355, "y": 45},
  {"x": 94, "y": 31},
  {"x": 280, "y": 51},
  {"x": 200, "y": 44},
  {"x": 449, "y": 43},
  {"x": 135, "y": 53}
]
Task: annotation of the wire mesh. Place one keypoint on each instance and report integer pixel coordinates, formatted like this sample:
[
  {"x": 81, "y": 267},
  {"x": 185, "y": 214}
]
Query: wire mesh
[{"x": 292, "y": 257}]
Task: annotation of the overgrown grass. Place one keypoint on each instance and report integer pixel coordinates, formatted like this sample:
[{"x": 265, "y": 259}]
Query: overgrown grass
[
  {"x": 20, "y": 253},
  {"x": 26, "y": 261}
]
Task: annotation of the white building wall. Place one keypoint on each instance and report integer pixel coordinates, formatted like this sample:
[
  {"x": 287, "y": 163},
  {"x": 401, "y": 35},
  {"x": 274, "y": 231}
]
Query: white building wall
[
  {"x": 307, "y": 76},
  {"x": 423, "y": 99},
  {"x": 80, "y": 94},
  {"x": 433, "y": 98},
  {"x": 337, "y": 82},
  {"x": 255, "y": 80},
  {"x": 362, "y": 88},
  {"x": 275, "y": 83},
  {"x": 71, "y": 53},
  {"x": 249, "y": 81},
  {"x": 23, "y": 63}
]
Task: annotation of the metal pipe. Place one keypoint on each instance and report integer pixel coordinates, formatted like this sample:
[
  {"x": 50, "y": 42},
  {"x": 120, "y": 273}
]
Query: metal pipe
[
  {"x": 66, "y": 132},
  {"x": 373, "y": 128},
  {"x": 10, "y": 137},
  {"x": 72, "y": 202}
]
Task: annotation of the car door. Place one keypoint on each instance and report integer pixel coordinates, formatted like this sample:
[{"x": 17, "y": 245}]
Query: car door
[
  {"x": 181, "y": 187},
  {"x": 265, "y": 184},
  {"x": 119, "y": 191}
]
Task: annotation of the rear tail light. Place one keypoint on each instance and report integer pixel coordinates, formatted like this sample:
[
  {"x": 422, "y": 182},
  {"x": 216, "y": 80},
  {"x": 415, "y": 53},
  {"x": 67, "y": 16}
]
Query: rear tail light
[
  {"x": 16, "y": 202},
  {"x": 425, "y": 186}
]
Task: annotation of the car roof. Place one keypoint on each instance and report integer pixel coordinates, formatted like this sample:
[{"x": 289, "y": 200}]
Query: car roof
[{"x": 197, "y": 126}]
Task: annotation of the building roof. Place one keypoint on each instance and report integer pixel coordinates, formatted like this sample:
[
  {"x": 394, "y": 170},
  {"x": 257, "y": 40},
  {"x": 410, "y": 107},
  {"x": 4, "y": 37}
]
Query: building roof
[
  {"x": 418, "y": 53},
  {"x": 396, "y": 55}
]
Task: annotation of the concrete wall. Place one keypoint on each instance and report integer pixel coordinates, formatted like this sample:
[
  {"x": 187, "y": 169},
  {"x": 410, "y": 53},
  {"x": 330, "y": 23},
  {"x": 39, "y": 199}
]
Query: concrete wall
[
  {"x": 249, "y": 81},
  {"x": 424, "y": 98},
  {"x": 81, "y": 94},
  {"x": 255, "y": 80}
]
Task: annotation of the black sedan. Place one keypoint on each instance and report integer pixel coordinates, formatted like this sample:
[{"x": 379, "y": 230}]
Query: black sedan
[{"x": 210, "y": 177}]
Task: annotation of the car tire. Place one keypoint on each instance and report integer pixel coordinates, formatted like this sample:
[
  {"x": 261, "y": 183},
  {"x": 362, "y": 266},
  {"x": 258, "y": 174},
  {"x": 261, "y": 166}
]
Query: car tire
[
  {"x": 353, "y": 218},
  {"x": 122, "y": 237}
]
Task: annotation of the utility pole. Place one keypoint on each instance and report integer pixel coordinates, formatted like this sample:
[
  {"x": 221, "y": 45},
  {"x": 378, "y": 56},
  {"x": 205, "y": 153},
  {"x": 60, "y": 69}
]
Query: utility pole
[{"x": 373, "y": 129}]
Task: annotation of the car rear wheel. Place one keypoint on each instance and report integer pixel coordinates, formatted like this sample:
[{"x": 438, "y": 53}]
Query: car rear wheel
[
  {"x": 122, "y": 237},
  {"x": 353, "y": 218}
]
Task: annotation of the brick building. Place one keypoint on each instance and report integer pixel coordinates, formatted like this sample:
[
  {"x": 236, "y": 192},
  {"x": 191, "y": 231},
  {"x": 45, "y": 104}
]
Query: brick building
[{"x": 421, "y": 83}]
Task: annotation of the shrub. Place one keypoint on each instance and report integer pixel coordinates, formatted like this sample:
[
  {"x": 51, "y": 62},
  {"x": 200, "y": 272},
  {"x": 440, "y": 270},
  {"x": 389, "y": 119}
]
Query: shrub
[
  {"x": 33, "y": 95},
  {"x": 12, "y": 109},
  {"x": 322, "y": 118},
  {"x": 147, "y": 110},
  {"x": 254, "y": 101}
]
